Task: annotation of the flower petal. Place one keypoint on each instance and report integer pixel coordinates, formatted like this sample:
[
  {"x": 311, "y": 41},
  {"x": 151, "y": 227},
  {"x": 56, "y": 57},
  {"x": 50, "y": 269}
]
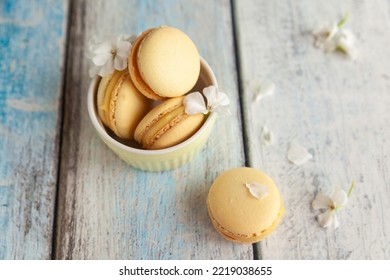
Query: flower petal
[
  {"x": 339, "y": 197},
  {"x": 326, "y": 219},
  {"x": 330, "y": 46},
  {"x": 119, "y": 63},
  {"x": 346, "y": 42},
  {"x": 93, "y": 70},
  {"x": 265, "y": 89},
  {"x": 298, "y": 154},
  {"x": 347, "y": 35},
  {"x": 333, "y": 31},
  {"x": 257, "y": 190},
  {"x": 215, "y": 98},
  {"x": 217, "y": 101},
  {"x": 321, "y": 202},
  {"x": 321, "y": 36},
  {"x": 335, "y": 223},
  {"x": 323, "y": 31},
  {"x": 123, "y": 48},
  {"x": 104, "y": 47},
  {"x": 210, "y": 93},
  {"x": 266, "y": 136},
  {"x": 334, "y": 38},
  {"x": 194, "y": 103},
  {"x": 109, "y": 55},
  {"x": 107, "y": 68},
  {"x": 101, "y": 59}
]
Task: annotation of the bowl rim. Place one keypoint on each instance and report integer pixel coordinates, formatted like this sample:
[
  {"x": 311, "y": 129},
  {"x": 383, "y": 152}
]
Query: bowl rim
[{"x": 93, "y": 115}]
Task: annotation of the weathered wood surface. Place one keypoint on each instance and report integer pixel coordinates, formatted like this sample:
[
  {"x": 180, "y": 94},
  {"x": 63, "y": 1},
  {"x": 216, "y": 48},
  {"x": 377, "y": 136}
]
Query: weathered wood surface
[
  {"x": 108, "y": 210},
  {"x": 32, "y": 57},
  {"x": 338, "y": 109}
]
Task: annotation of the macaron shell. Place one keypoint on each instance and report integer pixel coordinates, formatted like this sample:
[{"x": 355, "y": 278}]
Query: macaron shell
[
  {"x": 105, "y": 89},
  {"x": 236, "y": 210},
  {"x": 168, "y": 61},
  {"x": 134, "y": 72},
  {"x": 178, "y": 131},
  {"x": 167, "y": 125},
  {"x": 155, "y": 115},
  {"x": 128, "y": 106}
]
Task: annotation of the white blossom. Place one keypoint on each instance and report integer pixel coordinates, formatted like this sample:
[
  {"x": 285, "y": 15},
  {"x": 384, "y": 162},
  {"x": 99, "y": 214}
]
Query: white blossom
[
  {"x": 333, "y": 37},
  {"x": 331, "y": 203},
  {"x": 212, "y": 100},
  {"x": 110, "y": 55}
]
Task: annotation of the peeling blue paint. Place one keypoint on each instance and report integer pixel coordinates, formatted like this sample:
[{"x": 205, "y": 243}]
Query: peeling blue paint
[{"x": 31, "y": 48}]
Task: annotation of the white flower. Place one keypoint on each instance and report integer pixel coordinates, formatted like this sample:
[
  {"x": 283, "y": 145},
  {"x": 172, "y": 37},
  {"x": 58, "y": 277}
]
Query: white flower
[
  {"x": 331, "y": 203},
  {"x": 110, "y": 55},
  {"x": 212, "y": 100},
  {"x": 257, "y": 190},
  {"x": 298, "y": 154},
  {"x": 334, "y": 38}
]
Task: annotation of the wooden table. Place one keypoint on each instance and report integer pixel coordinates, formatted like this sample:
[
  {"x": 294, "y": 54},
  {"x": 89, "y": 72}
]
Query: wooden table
[{"x": 65, "y": 195}]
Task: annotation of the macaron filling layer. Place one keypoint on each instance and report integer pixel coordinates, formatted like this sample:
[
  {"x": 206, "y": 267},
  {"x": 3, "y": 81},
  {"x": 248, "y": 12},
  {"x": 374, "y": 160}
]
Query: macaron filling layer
[
  {"x": 167, "y": 125},
  {"x": 162, "y": 126},
  {"x": 245, "y": 238},
  {"x": 154, "y": 116}
]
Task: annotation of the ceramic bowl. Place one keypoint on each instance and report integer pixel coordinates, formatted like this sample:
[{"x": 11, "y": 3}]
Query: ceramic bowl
[{"x": 155, "y": 160}]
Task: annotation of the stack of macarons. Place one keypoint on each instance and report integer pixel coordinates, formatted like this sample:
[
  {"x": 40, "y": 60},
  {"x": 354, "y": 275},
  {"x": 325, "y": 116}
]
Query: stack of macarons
[{"x": 145, "y": 101}]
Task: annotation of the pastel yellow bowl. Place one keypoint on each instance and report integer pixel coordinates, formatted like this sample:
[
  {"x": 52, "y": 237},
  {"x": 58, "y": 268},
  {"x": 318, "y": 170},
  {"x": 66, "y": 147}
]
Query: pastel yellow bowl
[{"x": 155, "y": 160}]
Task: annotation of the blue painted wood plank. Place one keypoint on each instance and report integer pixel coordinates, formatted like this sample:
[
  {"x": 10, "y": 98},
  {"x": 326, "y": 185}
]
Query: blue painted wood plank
[
  {"x": 109, "y": 210},
  {"x": 32, "y": 44}
]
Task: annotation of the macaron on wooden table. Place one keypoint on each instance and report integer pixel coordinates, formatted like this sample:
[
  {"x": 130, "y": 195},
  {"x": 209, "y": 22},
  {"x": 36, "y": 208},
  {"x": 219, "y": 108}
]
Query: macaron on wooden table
[{"x": 65, "y": 195}]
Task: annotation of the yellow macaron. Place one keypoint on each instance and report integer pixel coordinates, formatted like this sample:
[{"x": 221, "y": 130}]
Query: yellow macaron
[
  {"x": 244, "y": 205},
  {"x": 164, "y": 63},
  {"x": 167, "y": 125},
  {"x": 120, "y": 105}
]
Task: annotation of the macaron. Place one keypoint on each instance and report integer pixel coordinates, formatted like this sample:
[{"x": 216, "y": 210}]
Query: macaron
[
  {"x": 120, "y": 105},
  {"x": 167, "y": 124},
  {"x": 244, "y": 205},
  {"x": 164, "y": 63}
]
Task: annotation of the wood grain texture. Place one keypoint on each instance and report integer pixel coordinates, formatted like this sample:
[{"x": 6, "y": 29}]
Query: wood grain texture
[
  {"x": 108, "y": 210},
  {"x": 338, "y": 109},
  {"x": 32, "y": 39}
]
